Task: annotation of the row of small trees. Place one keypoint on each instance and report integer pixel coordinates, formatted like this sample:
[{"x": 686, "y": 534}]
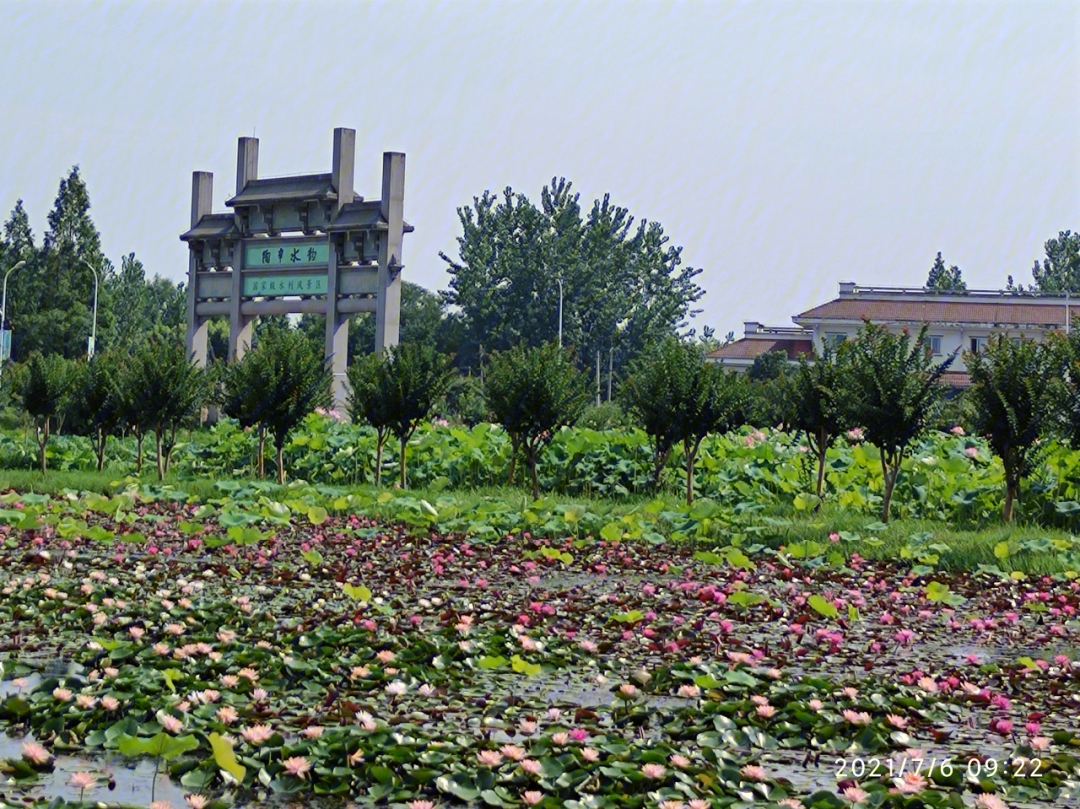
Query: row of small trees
[
  {"x": 887, "y": 385},
  {"x": 1023, "y": 394}
]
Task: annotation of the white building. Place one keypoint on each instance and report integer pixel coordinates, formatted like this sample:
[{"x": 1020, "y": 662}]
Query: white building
[{"x": 963, "y": 321}]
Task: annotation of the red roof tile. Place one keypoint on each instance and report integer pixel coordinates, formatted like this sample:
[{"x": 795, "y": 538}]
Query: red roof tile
[
  {"x": 1003, "y": 311},
  {"x": 745, "y": 349}
]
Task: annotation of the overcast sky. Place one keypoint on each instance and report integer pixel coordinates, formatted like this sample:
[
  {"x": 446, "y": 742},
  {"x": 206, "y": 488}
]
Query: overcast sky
[{"x": 785, "y": 145}]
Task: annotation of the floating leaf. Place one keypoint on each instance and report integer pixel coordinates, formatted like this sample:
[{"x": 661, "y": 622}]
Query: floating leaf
[
  {"x": 823, "y": 606},
  {"x": 225, "y": 758},
  {"x": 357, "y": 592}
]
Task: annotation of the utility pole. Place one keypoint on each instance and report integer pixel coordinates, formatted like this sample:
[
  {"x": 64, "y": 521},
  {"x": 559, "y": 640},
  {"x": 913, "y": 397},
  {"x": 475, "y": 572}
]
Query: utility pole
[
  {"x": 561, "y": 311},
  {"x": 610, "y": 370},
  {"x": 598, "y": 378},
  {"x": 92, "y": 343}
]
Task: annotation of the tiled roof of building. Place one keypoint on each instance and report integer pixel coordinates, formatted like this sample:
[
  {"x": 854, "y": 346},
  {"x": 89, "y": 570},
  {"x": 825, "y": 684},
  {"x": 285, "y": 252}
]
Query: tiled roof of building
[
  {"x": 363, "y": 215},
  {"x": 315, "y": 187},
  {"x": 212, "y": 226},
  {"x": 748, "y": 349},
  {"x": 956, "y": 379},
  {"x": 1007, "y": 310}
]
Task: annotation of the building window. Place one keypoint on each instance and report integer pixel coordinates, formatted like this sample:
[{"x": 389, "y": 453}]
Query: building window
[
  {"x": 978, "y": 344},
  {"x": 834, "y": 339},
  {"x": 935, "y": 344}
]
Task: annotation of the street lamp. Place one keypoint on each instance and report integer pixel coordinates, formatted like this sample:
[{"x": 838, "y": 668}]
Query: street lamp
[
  {"x": 93, "y": 329},
  {"x": 3, "y": 313},
  {"x": 560, "y": 311}
]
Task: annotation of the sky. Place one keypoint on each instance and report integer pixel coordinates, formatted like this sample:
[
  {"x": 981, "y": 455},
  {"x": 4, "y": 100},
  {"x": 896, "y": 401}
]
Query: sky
[{"x": 785, "y": 145}]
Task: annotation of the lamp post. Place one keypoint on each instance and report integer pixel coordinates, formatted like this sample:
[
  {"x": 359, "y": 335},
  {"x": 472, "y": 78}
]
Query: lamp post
[
  {"x": 93, "y": 328},
  {"x": 561, "y": 311},
  {"x": 3, "y": 311}
]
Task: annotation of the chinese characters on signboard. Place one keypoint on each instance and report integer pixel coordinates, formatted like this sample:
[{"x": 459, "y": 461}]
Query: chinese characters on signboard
[
  {"x": 286, "y": 285},
  {"x": 286, "y": 254}
]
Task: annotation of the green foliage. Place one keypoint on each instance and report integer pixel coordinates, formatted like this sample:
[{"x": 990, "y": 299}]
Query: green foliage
[
  {"x": 395, "y": 392},
  {"x": 463, "y": 402},
  {"x": 656, "y": 392},
  {"x": 623, "y": 287},
  {"x": 717, "y": 403},
  {"x": 817, "y": 404},
  {"x": 46, "y": 394},
  {"x": 1060, "y": 270},
  {"x": 98, "y": 401},
  {"x": 532, "y": 392},
  {"x": 279, "y": 382},
  {"x": 1013, "y": 405},
  {"x": 606, "y": 416},
  {"x": 164, "y": 389},
  {"x": 50, "y": 300},
  {"x": 679, "y": 398},
  {"x": 891, "y": 388},
  {"x": 770, "y": 365},
  {"x": 946, "y": 280}
]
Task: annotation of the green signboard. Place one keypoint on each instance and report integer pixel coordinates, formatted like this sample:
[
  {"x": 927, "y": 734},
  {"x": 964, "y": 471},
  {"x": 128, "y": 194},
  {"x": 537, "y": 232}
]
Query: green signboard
[
  {"x": 277, "y": 285},
  {"x": 292, "y": 253}
]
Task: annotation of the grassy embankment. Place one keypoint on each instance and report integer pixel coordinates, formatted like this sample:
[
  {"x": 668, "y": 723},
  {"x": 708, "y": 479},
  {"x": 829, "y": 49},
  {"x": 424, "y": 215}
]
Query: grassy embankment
[{"x": 968, "y": 546}]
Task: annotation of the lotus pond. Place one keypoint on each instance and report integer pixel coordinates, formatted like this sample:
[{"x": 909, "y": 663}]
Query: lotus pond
[{"x": 160, "y": 652}]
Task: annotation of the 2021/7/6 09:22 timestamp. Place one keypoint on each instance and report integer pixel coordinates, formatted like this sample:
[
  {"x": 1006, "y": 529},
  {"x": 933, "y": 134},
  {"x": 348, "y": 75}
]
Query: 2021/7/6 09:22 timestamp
[{"x": 873, "y": 767}]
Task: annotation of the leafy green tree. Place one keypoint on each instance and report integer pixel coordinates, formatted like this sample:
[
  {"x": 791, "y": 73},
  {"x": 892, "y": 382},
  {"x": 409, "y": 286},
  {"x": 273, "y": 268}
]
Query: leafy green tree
[
  {"x": 46, "y": 393},
  {"x": 533, "y": 391},
  {"x": 817, "y": 404},
  {"x": 421, "y": 322},
  {"x": 770, "y": 365},
  {"x": 98, "y": 401},
  {"x": 942, "y": 279},
  {"x": 464, "y": 401},
  {"x": 1060, "y": 270},
  {"x": 166, "y": 390},
  {"x": 623, "y": 285},
  {"x": 659, "y": 385},
  {"x": 718, "y": 404},
  {"x": 1013, "y": 405},
  {"x": 56, "y": 306},
  {"x": 395, "y": 392},
  {"x": 279, "y": 382},
  {"x": 144, "y": 309},
  {"x": 892, "y": 389}
]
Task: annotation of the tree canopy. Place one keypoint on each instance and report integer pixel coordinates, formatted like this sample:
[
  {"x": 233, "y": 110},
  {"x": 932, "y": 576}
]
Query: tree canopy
[
  {"x": 624, "y": 286},
  {"x": 942, "y": 279}
]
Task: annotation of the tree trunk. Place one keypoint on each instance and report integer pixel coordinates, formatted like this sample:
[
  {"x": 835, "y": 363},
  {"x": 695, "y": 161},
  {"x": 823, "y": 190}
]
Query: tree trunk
[
  {"x": 43, "y": 440},
  {"x": 513, "y": 461},
  {"x": 170, "y": 442},
  {"x": 138, "y": 457},
  {"x": 160, "y": 460},
  {"x": 530, "y": 458},
  {"x": 103, "y": 439},
  {"x": 280, "y": 463},
  {"x": 890, "y": 482},
  {"x": 260, "y": 454},
  {"x": 691, "y": 456},
  {"x": 1011, "y": 490},
  {"x": 404, "y": 443},
  {"x": 821, "y": 450},
  {"x": 820, "y": 473},
  {"x": 380, "y": 439},
  {"x": 659, "y": 462}
]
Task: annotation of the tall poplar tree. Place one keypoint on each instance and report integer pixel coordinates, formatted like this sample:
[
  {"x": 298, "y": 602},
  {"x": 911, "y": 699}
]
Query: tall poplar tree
[
  {"x": 624, "y": 285},
  {"x": 61, "y": 317}
]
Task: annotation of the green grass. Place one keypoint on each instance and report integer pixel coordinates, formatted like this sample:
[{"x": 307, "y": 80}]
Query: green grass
[{"x": 968, "y": 545}]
